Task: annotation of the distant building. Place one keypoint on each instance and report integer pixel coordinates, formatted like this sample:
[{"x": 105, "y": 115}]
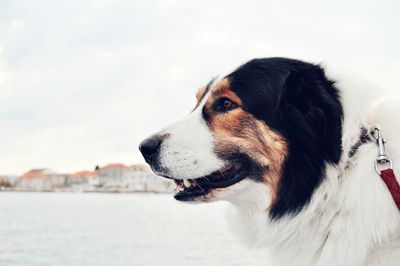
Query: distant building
[
  {"x": 114, "y": 177},
  {"x": 111, "y": 175},
  {"x": 132, "y": 178},
  {"x": 32, "y": 179},
  {"x": 83, "y": 179},
  {"x": 139, "y": 177},
  {"x": 41, "y": 179}
]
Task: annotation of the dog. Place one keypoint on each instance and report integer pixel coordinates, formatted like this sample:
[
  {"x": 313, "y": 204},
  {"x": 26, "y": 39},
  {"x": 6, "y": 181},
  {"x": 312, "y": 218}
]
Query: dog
[{"x": 292, "y": 147}]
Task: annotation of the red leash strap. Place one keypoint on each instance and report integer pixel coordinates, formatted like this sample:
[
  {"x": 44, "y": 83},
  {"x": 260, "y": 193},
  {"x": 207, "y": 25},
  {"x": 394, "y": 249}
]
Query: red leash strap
[
  {"x": 387, "y": 174},
  {"x": 390, "y": 180}
]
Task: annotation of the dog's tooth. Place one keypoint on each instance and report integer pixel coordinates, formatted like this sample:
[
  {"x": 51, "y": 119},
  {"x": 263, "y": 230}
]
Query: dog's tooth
[{"x": 186, "y": 183}]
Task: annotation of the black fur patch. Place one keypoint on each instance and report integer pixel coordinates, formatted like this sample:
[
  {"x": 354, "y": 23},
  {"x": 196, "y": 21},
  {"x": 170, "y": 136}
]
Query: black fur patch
[{"x": 297, "y": 100}]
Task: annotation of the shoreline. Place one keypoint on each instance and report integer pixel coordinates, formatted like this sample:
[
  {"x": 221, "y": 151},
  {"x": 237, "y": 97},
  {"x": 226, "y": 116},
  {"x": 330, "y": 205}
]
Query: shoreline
[{"x": 109, "y": 191}]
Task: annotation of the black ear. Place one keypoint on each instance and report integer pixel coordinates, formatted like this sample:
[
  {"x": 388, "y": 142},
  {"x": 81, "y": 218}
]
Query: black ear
[
  {"x": 297, "y": 100},
  {"x": 310, "y": 117}
]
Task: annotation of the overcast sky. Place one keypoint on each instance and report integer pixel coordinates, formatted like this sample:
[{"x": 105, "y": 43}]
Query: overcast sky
[{"x": 82, "y": 82}]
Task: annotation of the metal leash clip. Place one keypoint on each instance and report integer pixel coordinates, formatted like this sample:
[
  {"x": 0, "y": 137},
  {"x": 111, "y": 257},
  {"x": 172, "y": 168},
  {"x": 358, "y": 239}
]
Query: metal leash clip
[{"x": 382, "y": 158}]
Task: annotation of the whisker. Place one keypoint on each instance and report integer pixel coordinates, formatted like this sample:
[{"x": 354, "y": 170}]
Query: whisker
[
  {"x": 206, "y": 178},
  {"x": 198, "y": 184},
  {"x": 221, "y": 173}
]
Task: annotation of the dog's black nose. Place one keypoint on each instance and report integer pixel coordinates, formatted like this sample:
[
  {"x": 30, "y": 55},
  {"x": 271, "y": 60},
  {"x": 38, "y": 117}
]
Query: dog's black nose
[{"x": 149, "y": 148}]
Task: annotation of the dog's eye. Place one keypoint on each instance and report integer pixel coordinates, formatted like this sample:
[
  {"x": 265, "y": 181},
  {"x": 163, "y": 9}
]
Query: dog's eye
[{"x": 224, "y": 105}]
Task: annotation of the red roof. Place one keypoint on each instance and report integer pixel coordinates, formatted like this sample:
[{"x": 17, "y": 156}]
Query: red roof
[
  {"x": 83, "y": 174},
  {"x": 114, "y": 166},
  {"x": 35, "y": 173}
]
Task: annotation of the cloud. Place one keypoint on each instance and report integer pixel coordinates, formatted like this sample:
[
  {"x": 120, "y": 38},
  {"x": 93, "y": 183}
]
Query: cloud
[{"x": 82, "y": 82}]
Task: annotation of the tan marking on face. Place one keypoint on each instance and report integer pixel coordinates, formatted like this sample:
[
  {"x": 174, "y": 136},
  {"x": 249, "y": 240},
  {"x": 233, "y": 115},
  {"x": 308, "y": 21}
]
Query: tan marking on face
[
  {"x": 237, "y": 131},
  {"x": 200, "y": 93},
  {"x": 213, "y": 195},
  {"x": 222, "y": 89}
]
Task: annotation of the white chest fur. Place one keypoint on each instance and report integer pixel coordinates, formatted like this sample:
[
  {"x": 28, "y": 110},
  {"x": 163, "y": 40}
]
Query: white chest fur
[{"x": 351, "y": 218}]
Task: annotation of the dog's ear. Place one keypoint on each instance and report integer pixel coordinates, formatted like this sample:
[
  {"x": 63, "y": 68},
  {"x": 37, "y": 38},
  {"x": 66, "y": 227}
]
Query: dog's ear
[
  {"x": 298, "y": 101},
  {"x": 309, "y": 115}
]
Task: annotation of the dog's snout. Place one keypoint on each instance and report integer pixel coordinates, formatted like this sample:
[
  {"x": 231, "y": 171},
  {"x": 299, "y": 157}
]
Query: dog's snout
[{"x": 150, "y": 148}]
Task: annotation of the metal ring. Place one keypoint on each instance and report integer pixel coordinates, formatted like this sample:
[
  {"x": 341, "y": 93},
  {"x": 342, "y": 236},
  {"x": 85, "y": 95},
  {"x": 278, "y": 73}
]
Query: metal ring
[{"x": 377, "y": 161}]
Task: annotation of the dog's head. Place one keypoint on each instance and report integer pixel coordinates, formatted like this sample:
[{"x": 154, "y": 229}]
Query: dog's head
[{"x": 269, "y": 127}]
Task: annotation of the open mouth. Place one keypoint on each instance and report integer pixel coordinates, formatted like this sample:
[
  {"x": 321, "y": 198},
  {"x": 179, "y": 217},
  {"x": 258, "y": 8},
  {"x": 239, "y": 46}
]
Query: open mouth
[{"x": 189, "y": 189}]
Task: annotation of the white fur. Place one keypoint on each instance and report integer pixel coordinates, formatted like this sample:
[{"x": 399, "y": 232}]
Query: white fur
[{"x": 352, "y": 219}]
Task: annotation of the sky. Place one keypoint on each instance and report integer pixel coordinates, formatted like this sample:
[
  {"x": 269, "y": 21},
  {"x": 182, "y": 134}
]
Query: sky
[{"x": 83, "y": 82}]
